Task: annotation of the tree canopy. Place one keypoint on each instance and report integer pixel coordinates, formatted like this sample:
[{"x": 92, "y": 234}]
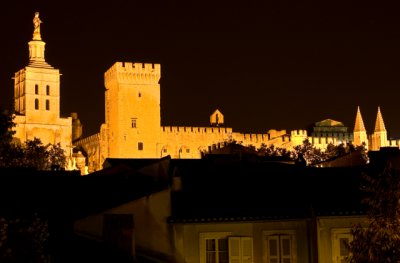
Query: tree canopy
[
  {"x": 379, "y": 241},
  {"x": 308, "y": 154}
]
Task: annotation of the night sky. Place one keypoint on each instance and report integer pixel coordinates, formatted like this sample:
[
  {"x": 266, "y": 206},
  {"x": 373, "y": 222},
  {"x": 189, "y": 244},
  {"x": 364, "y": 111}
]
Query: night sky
[{"x": 277, "y": 65}]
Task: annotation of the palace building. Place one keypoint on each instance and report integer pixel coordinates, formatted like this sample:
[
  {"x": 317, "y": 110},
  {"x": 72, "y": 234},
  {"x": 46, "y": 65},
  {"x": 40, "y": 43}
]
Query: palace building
[{"x": 132, "y": 127}]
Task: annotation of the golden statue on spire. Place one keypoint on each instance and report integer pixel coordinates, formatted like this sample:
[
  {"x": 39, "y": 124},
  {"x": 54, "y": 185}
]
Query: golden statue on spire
[{"x": 36, "y": 27}]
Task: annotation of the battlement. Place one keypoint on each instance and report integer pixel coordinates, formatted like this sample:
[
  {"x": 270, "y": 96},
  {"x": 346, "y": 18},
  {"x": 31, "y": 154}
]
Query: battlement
[
  {"x": 90, "y": 141},
  {"x": 394, "y": 143},
  {"x": 322, "y": 141},
  {"x": 204, "y": 130},
  {"x": 253, "y": 137},
  {"x": 135, "y": 73},
  {"x": 299, "y": 133}
]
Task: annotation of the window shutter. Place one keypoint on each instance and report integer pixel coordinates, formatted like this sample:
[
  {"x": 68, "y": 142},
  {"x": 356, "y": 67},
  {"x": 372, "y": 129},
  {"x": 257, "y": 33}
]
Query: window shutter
[
  {"x": 247, "y": 249},
  {"x": 211, "y": 250},
  {"x": 286, "y": 249},
  {"x": 273, "y": 249},
  {"x": 234, "y": 250}
]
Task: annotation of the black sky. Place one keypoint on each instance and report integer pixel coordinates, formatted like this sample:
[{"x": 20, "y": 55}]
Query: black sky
[{"x": 266, "y": 66}]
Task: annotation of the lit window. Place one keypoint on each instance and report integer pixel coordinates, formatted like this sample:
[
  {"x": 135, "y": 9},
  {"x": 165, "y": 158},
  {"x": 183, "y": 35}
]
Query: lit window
[
  {"x": 36, "y": 104},
  {"x": 36, "y": 89},
  {"x": 47, "y": 90},
  {"x": 140, "y": 146},
  {"x": 47, "y": 105},
  {"x": 133, "y": 122}
]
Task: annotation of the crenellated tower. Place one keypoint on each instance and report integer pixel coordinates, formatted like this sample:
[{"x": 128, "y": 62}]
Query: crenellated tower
[
  {"x": 132, "y": 111},
  {"x": 37, "y": 98},
  {"x": 360, "y": 133},
  {"x": 297, "y": 137},
  {"x": 379, "y": 137}
]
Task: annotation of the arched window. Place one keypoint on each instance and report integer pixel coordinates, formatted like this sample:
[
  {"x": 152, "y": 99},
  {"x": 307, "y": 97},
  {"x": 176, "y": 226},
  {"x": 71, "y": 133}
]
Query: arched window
[
  {"x": 47, "y": 90},
  {"x": 36, "y": 89},
  {"x": 36, "y": 104},
  {"x": 47, "y": 105}
]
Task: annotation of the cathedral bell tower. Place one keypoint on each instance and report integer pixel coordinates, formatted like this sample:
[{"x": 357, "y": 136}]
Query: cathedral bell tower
[
  {"x": 37, "y": 98},
  {"x": 37, "y": 86}
]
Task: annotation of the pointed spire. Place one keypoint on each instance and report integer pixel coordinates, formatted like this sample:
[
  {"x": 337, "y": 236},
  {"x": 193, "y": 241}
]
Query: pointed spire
[
  {"x": 359, "y": 125},
  {"x": 379, "y": 124}
]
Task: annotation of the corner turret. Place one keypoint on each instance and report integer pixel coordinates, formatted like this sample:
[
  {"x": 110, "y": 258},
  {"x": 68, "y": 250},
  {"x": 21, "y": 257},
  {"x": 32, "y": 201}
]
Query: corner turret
[
  {"x": 360, "y": 133},
  {"x": 379, "y": 137}
]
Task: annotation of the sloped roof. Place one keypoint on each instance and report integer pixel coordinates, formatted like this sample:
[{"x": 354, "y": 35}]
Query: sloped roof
[
  {"x": 80, "y": 196},
  {"x": 359, "y": 124},
  {"x": 214, "y": 191},
  {"x": 329, "y": 123},
  {"x": 379, "y": 124}
]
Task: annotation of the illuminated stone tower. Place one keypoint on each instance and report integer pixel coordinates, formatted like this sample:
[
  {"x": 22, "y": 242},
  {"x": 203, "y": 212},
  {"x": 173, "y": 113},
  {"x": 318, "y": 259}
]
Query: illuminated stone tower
[
  {"x": 379, "y": 137},
  {"x": 132, "y": 111},
  {"x": 360, "y": 133},
  {"x": 37, "y": 98}
]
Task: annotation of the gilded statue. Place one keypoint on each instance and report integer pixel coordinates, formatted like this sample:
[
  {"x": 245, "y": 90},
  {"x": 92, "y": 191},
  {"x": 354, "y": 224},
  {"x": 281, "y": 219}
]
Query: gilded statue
[{"x": 36, "y": 24}]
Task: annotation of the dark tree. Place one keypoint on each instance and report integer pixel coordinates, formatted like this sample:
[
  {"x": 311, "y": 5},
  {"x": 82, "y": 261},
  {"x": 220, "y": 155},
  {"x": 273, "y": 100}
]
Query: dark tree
[
  {"x": 309, "y": 152},
  {"x": 363, "y": 150},
  {"x": 380, "y": 240},
  {"x": 6, "y": 125},
  {"x": 271, "y": 150},
  {"x": 23, "y": 239},
  {"x": 29, "y": 154}
]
